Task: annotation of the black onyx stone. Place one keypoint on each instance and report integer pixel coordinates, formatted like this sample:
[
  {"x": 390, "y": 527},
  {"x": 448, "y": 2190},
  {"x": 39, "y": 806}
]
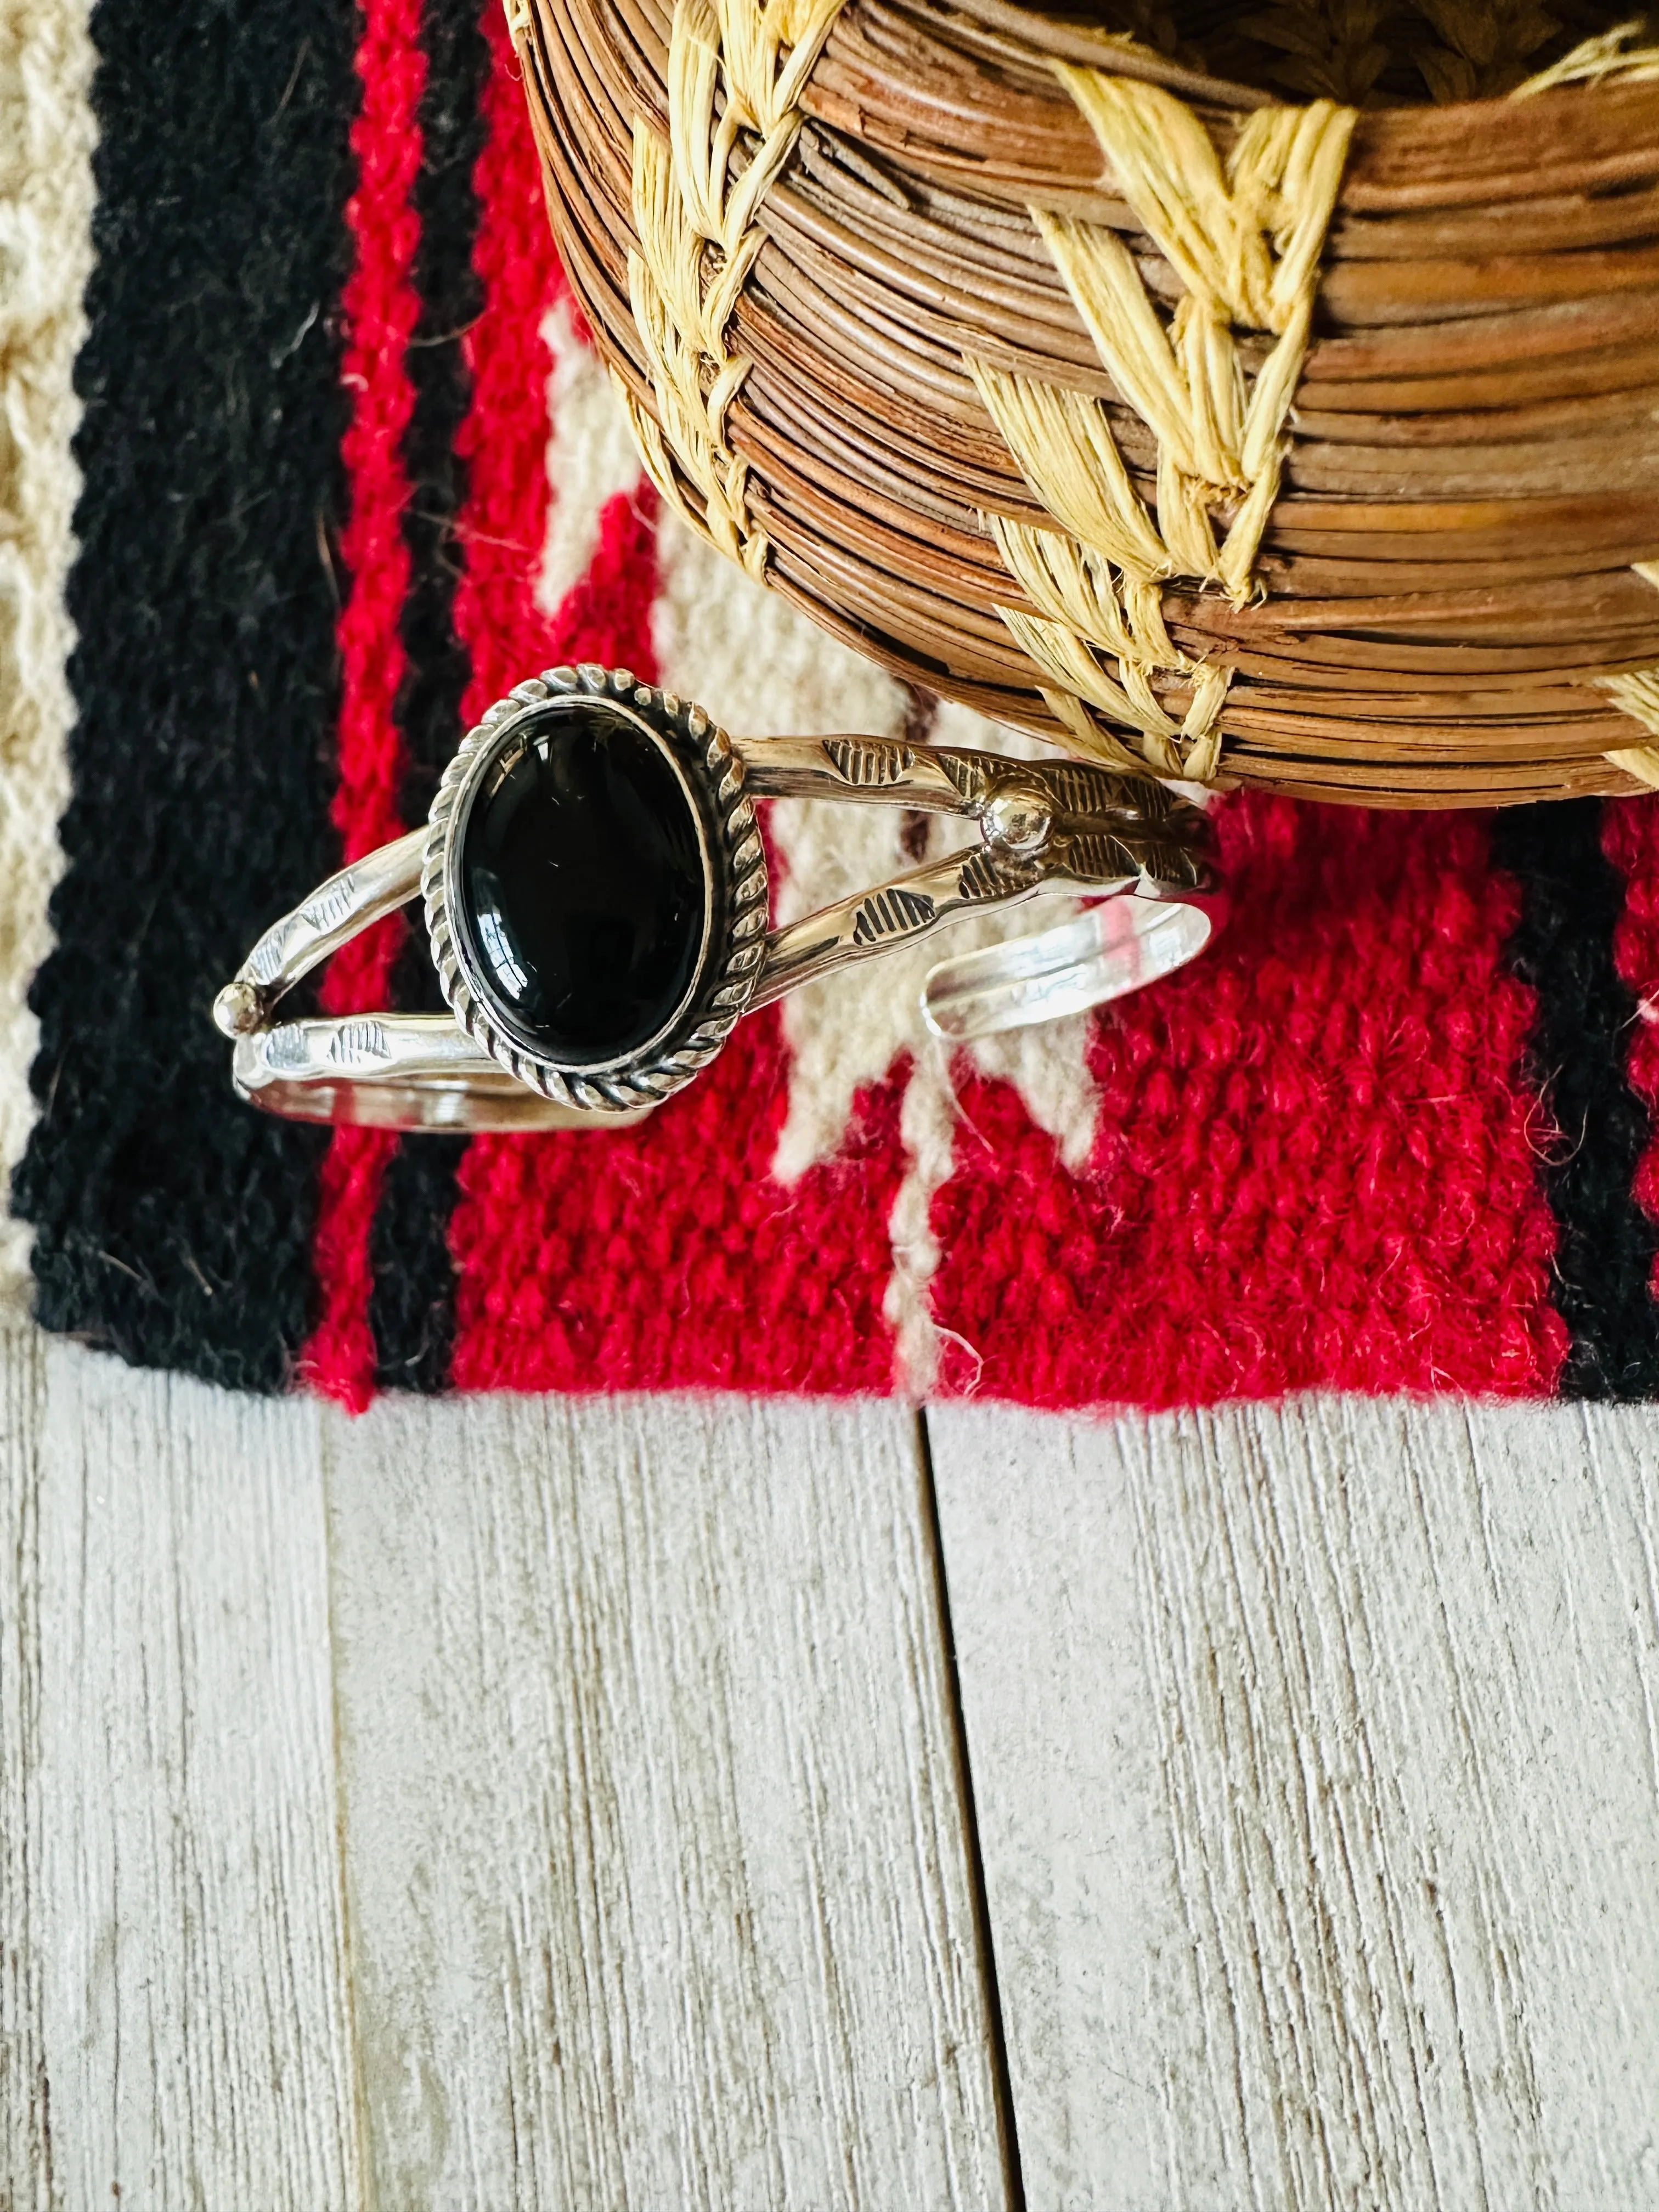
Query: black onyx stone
[{"x": 582, "y": 884}]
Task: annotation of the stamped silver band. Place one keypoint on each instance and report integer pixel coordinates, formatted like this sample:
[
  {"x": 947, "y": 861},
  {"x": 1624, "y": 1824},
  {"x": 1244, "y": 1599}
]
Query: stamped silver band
[{"x": 590, "y": 817}]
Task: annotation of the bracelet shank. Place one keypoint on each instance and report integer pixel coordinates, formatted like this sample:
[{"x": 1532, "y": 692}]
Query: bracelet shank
[
  {"x": 1136, "y": 854},
  {"x": 394, "y": 1071}
]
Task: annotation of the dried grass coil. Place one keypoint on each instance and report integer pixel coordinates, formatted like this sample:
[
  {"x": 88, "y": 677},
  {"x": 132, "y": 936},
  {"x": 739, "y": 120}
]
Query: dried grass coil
[{"x": 1313, "y": 447}]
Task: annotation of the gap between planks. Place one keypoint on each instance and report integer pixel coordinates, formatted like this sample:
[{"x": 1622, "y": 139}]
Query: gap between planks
[
  {"x": 520, "y": 1802},
  {"x": 656, "y": 1880},
  {"x": 531, "y": 1803},
  {"x": 1317, "y": 1765}
]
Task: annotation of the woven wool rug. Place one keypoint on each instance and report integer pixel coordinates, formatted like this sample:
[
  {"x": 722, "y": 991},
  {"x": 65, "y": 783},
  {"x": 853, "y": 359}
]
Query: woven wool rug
[{"x": 346, "y": 472}]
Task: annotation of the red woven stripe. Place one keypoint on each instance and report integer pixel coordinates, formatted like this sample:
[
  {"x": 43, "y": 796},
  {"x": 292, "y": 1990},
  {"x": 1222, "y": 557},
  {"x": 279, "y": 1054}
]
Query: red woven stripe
[
  {"x": 503, "y": 440},
  {"x": 1315, "y": 1161},
  {"x": 1632, "y": 843},
  {"x": 664, "y": 1255},
  {"x": 381, "y": 306}
]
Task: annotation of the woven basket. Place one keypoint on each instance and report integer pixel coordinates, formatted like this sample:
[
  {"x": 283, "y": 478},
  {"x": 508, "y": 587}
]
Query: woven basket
[{"x": 1313, "y": 446}]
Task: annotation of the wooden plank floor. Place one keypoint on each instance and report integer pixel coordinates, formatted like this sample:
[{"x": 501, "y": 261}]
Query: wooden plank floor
[
  {"x": 654, "y": 1848},
  {"x": 648, "y": 1803},
  {"x": 1318, "y": 1775}
]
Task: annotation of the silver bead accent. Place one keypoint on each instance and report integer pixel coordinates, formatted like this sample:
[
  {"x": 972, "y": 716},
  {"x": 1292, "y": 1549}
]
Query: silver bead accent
[
  {"x": 238, "y": 1010},
  {"x": 1017, "y": 820}
]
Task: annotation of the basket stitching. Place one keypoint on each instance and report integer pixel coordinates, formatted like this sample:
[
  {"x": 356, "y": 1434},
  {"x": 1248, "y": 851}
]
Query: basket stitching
[
  {"x": 736, "y": 71},
  {"x": 1245, "y": 243},
  {"x": 1613, "y": 55},
  {"x": 1636, "y": 693},
  {"x": 1609, "y": 56}
]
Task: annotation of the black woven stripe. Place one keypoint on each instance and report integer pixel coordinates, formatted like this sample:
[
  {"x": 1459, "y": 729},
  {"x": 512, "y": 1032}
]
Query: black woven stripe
[
  {"x": 451, "y": 125},
  {"x": 411, "y": 1309},
  {"x": 1572, "y": 897},
  {"x": 173, "y": 1223}
]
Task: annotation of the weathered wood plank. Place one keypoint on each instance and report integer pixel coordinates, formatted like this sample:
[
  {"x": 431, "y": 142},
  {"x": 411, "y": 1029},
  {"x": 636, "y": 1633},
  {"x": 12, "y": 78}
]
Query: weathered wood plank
[
  {"x": 1317, "y": 1775},
  {"x": 25, "y": 2136},
  {"x": 187, "y": 1894},
  {"x": 656, "y": 1856}
]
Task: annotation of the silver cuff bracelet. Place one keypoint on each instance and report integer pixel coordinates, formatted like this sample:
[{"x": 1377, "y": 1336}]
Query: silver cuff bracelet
[{"x": 595, "y": 891}]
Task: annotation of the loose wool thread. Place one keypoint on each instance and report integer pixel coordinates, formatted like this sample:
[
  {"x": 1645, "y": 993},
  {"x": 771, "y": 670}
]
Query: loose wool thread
[{"x": 1245, "y": 243}]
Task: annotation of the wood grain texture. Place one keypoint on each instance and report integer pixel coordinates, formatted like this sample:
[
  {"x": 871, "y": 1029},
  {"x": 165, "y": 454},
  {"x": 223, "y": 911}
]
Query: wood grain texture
[
  {"x": 1318, "y": 1775},
  {"x": 657, "y": 1886},
  {"x": 187, "y": 1897},
  {"x": 540, "y": 1802},
  {"x": 25, "y": 2126}
]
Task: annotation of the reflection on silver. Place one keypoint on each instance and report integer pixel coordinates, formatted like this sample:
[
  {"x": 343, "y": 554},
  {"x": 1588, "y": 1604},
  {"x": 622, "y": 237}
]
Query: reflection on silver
[
  {"x": 1118, "y": 946},
  {"x": 1140, "y": 853},
  {"x": 497, "y": 941}
]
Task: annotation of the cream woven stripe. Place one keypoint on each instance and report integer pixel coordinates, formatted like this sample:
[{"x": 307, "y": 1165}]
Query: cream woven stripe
[
  {"x": 736, "y": 70},
  {"x": 1245, "y": 242}
]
